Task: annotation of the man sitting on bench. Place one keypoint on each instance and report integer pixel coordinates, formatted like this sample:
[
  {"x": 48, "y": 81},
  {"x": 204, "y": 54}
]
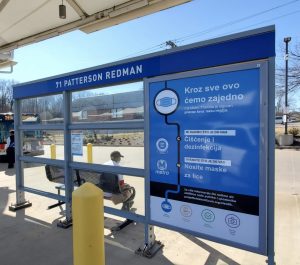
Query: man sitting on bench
[{"x": 114, "y": 186}]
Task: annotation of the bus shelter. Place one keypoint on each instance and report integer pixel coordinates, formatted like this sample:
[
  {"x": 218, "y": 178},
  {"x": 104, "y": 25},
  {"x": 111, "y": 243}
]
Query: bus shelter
[{"x": 195, "y": 125}]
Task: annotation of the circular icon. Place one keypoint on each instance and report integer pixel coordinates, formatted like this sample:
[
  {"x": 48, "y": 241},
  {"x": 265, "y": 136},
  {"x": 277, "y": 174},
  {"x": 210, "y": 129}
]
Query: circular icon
[
  {"x": 232, "y": 221},
  {"x": 186, "y": 210},
  {"x": 166, "y": 206},
  {"x": 162, "y": 145},
  {"x": 166, "y": 101},
  {"x": 208, "y": 215},
  {"x": 162, "y": 164}
]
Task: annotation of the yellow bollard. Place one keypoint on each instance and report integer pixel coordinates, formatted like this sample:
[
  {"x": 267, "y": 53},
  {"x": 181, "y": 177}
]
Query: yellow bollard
[
  {"x": 89, "y": 153},
  {"x": 88, "y": 225},
  {"x": 53, "y": 151}
]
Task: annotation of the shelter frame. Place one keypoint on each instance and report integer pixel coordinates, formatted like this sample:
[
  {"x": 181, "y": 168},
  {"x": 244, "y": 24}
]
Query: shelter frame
[{"x": 252, "y": 46}]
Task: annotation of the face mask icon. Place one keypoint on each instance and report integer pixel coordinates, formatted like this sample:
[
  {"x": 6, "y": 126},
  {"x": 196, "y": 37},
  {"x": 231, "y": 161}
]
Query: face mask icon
[{"x": 166, "y": 102}]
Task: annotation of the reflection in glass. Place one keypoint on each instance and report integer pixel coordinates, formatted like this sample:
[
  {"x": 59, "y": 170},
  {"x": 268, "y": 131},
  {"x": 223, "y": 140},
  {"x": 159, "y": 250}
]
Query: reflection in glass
[
  {"x": 38, "y": 143},
  {"x": 124, "y": 102},
  {"x": 103, "y": 142},
  {"x": 45, "y": 110}
]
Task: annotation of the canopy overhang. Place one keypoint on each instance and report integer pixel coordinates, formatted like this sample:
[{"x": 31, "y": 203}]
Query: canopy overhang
[{"x": 31, "y": 21}]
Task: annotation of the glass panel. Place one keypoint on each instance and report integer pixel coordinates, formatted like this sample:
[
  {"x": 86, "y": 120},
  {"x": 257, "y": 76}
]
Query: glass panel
[
  {"x": 40, "y": 177},
  {"x": 123, "y": 102},
  {"x": 45, "y": 110},
  {"x": 130, "y": 143},
  {"x": 51, "y": 178},
  {"x": 133, "y": 190},
  {"x": 38, "y": 143}
]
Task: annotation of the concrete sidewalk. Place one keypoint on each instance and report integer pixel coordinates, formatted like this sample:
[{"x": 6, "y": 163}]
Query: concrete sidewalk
[{"x": 30, "y": 236}]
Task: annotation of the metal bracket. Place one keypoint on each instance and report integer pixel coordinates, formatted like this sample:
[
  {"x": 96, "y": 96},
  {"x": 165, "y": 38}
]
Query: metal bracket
[
  {"x": 151, "y": 246},
  {"x": 121, "y": 226},
  {"x": 59, "y": 203},
  {"x": 18, "y": 206},
  {"x": 5, "y": 64},
  {"x": 65, "y": 223},
  {"x": 149, "y": 251},
  {"x": 270, "y": 262}
]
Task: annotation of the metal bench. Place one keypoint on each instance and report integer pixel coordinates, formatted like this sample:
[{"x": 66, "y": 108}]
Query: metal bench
[{"x": 108, "y": 182}]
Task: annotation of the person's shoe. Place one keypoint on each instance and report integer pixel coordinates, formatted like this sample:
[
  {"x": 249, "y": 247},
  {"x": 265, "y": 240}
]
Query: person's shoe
[
  {"x": 133, "y": 210},
  {"x": 130, "y": 204}
]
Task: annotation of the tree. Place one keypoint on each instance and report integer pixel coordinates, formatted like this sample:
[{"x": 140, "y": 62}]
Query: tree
[
  {"x": 293, "y": 79},
  {"x": 6, "y": 95}
]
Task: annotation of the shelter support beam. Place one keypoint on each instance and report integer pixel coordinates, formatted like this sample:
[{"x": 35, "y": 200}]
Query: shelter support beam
[
  {"x": 21, "y": 202},
  {"x": 151, "y": 245},
  {"x": 68, "y": 157},
  {"x": 271, "y": 168}
]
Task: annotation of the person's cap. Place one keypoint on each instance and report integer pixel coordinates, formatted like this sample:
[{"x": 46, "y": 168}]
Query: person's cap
[
  {"x": 11, "y": 131},
  {"x": 116, "y": 154}
]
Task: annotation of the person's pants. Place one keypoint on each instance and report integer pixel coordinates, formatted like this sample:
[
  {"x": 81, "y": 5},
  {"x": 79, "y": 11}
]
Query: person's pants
[{"x": 10, "y": 156}]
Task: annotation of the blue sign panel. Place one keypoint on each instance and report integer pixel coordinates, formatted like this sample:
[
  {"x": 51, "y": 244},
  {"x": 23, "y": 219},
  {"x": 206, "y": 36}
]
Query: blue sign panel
[{"x": 204, "y": 154}]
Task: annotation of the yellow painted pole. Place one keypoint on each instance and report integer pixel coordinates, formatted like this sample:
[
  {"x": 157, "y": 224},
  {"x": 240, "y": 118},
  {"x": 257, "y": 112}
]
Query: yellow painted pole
[
  {"x": 53, "y": 151},
  {"x": 89, "y": 153},
  {"x": 88, "y": 225}
]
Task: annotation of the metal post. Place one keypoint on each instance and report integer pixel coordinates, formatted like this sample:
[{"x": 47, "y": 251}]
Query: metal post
[
  {"x": 270, "y": 166},
  {"x": 151, "y": 246},
  {"x": 286, "y": 40},
  {"x": 20, "y": 195},
  {"x": 68, "y": 158}
]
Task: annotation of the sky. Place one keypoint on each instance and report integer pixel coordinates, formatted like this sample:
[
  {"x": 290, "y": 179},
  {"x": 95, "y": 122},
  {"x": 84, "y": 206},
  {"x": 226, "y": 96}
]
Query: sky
[{"x": 195, "y": 21}]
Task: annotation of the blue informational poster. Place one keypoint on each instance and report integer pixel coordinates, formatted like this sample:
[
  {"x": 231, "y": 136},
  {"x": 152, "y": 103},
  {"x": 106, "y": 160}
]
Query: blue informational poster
[
  {"x": 204, "y": 143},
  {"x": 77, "y": 144}
]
